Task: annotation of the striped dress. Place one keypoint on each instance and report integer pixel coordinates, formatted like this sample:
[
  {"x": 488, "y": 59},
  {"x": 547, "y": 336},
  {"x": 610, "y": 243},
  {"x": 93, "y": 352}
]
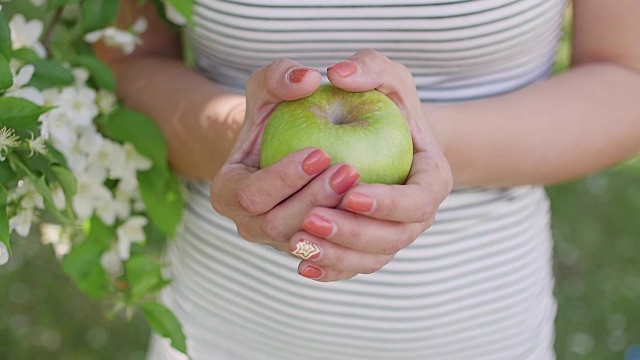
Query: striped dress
[{"x": 477, "y": 285}]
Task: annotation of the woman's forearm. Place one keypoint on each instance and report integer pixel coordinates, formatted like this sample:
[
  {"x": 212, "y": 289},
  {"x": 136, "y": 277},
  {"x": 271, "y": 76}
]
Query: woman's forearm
[
  {"x": 568, "y": 126},
  {"x": 199, "y": 119}
]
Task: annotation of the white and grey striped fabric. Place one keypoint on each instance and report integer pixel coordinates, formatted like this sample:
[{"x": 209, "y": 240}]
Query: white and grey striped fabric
[{"x": 477, "y": 285}]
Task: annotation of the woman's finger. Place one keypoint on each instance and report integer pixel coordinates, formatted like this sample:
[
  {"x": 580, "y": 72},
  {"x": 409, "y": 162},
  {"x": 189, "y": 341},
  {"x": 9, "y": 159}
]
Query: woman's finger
[
  {"x": 362, "y": 233},
  {"x": 282, "y": 221},
  {"x": 325, "y": 254},
  {"x": 417, "y": 201},
  {"x": 238, "y": 190}
]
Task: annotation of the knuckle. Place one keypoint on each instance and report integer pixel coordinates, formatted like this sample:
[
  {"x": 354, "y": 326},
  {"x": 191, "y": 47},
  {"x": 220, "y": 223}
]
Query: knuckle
[
  {"x": 370, "y": 53},
  {"x": 274, "y": 228},
  {"x": 274, "y": 73},
  {"x": 249, "y": 201}
]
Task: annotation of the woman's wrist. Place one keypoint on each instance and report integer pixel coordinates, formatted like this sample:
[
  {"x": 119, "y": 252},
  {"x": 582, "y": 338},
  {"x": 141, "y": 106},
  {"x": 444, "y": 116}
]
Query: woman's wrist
[{"x": 435, "y": 116}]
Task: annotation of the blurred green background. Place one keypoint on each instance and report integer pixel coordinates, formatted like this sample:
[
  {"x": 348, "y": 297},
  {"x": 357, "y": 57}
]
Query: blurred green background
[{"x": 596, "y": 223}]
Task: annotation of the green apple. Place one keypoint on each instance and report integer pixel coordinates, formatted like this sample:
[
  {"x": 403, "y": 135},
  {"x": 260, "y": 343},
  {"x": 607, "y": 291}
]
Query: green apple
[{"x": 364, "y": 129}]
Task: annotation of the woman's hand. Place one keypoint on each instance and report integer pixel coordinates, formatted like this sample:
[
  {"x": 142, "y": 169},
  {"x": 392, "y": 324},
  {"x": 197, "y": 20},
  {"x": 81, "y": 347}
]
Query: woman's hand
[
  {"x": 268, "y": 205},
  {"x": 374, "y": 221},
  {"x": 301, "y": 205}
]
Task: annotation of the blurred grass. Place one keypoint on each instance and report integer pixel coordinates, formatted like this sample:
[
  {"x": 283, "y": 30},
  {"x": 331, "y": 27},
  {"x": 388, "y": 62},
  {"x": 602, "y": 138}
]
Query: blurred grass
[{"x": 596, "y": 224}]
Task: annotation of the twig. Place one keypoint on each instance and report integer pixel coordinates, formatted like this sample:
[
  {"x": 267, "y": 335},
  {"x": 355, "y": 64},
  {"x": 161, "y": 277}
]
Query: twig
[{"x": 48, "y": 34}]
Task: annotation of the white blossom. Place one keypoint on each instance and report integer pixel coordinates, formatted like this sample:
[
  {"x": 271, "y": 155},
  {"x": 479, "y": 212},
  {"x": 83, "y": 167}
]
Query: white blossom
[
  {"x": 128, "y": 184},
  {"x": 37, "y": 145},
  {"x": 122, "y": 202},
  {"x": 8, "y": 139},
  {"x": 107, "y": 156},
  {"x": 58, "y": 238},
  {"x": 21, "y": 77},
  {"x": 133, "y": 162},
  {"x": 21, "y": 222},
  {"x": 58, "y": 126},
  {"x": 126, "y": 40},
  {"x": 134, "y": 159},
  {"x": 50, "y": 96},
  {"x": 139, "y": 26},
  {"x": 38, "y": 3},
  {"x": 26, "y": 34},
  {"x": 111, "y": 262},
  {"x": 132, "y": 231},
  {"x": 78, "y": 103},
  {"x": 106, "y": 101},
  {"x": 59, "y": 198},
  {"x": 18, "y": 191},
  {"x": 26, "y": 194},
  {"x": 173, "y": 15},
  {"x": 118, "y": 206},
  {"x": 32, "y": 200},
  {"x": 28, "y": 93},
  {"x": 107, "y": 212},
  {"x": 138, "y": 204},
  {"x": 4, "y": 252},
  {"x": 90, "y": 194},
  {"x": 22, "y": 74},
  {"x": 81, "y": 75}
]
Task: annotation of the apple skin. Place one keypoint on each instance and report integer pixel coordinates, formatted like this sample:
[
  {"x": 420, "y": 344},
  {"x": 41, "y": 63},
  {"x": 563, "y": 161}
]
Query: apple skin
[{"x": 364, "y": 129}]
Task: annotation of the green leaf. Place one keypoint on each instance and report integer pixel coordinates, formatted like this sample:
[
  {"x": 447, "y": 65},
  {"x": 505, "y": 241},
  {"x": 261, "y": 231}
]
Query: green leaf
[
  {"x": 66, "y": 179},
  {"x": 141, "y": 131},
  {"x": 4, "y": 219},
  {"x": 7, "y": 174},
  {"x": 162, "y": 197},
  {"x": 97, "y": 14},
  {"x": 101, "y": 74},
  {"x": 144, "y": 276},
  {"x": 25, "y": 55},
  {"x": 5, "y": 37},
  {"x": 163, "y": 322},
  {"x": 50, "y": 73},
  {"x": 82, "y": 264},
  {"x": 6, "y": 77},
  {"x": 38, "y": 165},
  {"x": 19, "y": 113},
  {"x": 185, "y": 8},
  {"x": 99, "y": 233}
]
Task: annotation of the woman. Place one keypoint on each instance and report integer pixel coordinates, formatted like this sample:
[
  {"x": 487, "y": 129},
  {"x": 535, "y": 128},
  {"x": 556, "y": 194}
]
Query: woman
[{"x": 403, "y": 272}]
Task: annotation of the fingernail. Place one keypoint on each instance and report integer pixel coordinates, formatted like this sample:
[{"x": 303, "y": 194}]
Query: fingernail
[
  {"x": 345, "y": 68},
  {"x": 343, "y": 179},
  {"x": 311, "y": 272},
  {"x": 315, "y": 162},
  {"x": 318, "y": 226},
  {"x": 295, "y": 76},
  {"x": 358, "y": 202},
  {"x": 306, "y": 250}
]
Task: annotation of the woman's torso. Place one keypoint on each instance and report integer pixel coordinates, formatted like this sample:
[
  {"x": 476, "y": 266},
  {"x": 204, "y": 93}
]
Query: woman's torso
[{"x": 478, "y": 284}]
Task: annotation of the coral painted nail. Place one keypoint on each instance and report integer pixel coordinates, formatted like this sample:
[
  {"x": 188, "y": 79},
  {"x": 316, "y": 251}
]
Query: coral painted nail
[
  {"x": 311, "y": 272},
  {"x": 318, "y": 226}
]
